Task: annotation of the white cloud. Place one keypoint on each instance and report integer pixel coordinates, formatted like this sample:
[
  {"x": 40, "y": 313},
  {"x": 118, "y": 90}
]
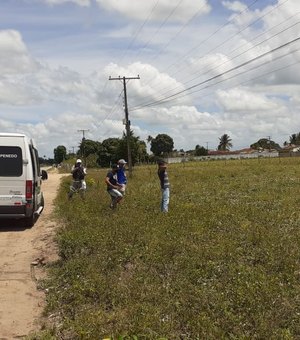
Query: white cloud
[
  {"x": 17, "y": 93},
  {"x": 244, "y": 101},
  {"x": 51, "y": 99},
  {"x": 145, "y": 89},
  {"x": 77, "y": 2},
  {"x": 14, "y": 56},
  {"x": 142, "y": 9},
  {"x": 235, "y": 6}
]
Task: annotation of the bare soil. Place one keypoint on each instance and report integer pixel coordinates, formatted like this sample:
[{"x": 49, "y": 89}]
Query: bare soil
[{"x": 23, "y": 253}]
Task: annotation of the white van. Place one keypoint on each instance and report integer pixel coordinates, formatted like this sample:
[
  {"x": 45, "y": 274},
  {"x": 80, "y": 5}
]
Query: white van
[{"x": 20, "y": 179}]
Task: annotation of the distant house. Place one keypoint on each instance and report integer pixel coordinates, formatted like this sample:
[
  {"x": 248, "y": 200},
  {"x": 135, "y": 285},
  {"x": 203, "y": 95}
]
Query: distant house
[
  {"x": 247, "y": 151},
  {"x": 290, "y": 150},
  {"x": 227, "y": 153}
]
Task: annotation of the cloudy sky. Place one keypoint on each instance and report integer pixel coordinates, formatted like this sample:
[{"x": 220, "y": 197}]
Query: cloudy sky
[{"x": 206, "y": 67}]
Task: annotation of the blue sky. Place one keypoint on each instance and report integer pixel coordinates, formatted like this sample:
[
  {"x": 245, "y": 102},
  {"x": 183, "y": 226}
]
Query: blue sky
[{"x": 56, "y": 57}]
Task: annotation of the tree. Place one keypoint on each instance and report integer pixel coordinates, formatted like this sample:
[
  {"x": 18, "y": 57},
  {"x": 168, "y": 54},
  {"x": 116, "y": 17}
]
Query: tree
[
  {"x": 265, "y": 143},
  {"x": 225, "y": 143},
  {"x": 162, "y": 144},
  {"x": 88, "y": 147},
  {"x": 107, "y": 153},
  {"x": 200, "y": 151},
  {"x": 60, "y": 153},
  {"x": 138, "y": 148}
]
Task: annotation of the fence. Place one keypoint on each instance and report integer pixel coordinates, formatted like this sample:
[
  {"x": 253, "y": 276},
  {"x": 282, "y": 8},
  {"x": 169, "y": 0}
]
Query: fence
[{"x": 263, "y": 154}]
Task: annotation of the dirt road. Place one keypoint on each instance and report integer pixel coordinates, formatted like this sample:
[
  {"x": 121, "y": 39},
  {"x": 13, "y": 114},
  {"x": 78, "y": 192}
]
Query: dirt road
[{"x": 22, "y": 251}]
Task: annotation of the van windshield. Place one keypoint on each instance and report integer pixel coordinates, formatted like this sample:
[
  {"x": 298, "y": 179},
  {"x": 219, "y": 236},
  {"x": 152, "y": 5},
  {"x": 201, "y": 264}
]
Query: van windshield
[{"x": 11, "y": 161}]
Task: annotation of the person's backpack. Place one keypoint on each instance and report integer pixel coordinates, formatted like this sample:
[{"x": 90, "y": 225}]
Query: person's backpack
[{"x": 78, "y": 173}]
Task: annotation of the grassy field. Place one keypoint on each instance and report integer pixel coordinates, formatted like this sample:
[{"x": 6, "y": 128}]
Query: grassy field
[{"x": 224, "y": 263}]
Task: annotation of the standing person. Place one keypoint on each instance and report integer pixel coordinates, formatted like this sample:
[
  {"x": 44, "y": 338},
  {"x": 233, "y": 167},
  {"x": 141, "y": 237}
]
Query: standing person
[
  {"x": 122, "y": 179},
  {"x": 79, "y": 184},
  {"x": 113, "y": 187},
  {"x": 164, "y": 185}
]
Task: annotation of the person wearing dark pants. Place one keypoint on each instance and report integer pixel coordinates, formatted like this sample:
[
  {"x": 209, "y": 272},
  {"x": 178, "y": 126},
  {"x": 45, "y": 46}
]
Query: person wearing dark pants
[{"x": 113, "y": 187}]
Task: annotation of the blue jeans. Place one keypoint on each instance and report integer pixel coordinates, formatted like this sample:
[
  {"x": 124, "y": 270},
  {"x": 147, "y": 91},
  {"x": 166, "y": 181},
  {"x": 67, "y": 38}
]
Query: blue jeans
[{"x": 165, "y": 198}]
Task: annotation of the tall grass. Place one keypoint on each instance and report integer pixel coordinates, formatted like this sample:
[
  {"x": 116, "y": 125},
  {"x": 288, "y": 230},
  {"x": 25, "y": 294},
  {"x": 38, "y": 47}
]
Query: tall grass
[{"x": 224, "y": 263}]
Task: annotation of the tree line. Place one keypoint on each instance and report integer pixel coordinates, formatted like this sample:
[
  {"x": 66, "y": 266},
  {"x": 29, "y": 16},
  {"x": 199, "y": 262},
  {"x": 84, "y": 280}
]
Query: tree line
[{"x": 108, "y": 151}]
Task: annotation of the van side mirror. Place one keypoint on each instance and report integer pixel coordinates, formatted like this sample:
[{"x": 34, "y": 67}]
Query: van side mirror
[{"x": 44, "y": 175}]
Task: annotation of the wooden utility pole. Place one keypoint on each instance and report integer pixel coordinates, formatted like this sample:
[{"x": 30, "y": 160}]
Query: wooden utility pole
[{"x": 127, "y": 121}]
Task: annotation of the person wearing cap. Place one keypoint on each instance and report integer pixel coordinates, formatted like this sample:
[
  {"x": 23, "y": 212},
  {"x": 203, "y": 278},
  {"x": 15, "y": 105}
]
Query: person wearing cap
[
  {"x": 79, "y": 185},
  {"x": 122, "y": 179},
  {"x": 164, "y": 185},
  {"x": 113, "y": 187}
]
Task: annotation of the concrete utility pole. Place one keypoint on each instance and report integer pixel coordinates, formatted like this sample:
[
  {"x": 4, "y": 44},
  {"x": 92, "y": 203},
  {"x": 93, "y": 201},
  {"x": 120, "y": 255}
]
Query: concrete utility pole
[
  {"x": 269, "y": 142},
  {"x": 83, "y": 139},
  {"x": 127, "y": 121},
  {"x": 83, "y": 131}
]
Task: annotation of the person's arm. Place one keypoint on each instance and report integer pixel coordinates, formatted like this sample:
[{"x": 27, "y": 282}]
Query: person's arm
[
  {"x": 161, "y": 175},
  {"x": 107, "y": 181}
]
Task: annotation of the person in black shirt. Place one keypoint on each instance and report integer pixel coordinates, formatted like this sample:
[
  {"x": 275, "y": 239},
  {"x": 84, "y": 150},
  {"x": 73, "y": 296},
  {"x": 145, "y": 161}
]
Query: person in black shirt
[
  {"x": 78, "y": 184},
  {"x": 113, "y": 187}
]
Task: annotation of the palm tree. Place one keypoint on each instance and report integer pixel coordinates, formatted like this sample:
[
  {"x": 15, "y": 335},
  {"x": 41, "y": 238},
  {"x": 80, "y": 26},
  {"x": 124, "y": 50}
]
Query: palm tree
[
  {"x": 225, "y": 143},
  {"x": 295, "y": 138},
  {"x": 149, "y": 139}
]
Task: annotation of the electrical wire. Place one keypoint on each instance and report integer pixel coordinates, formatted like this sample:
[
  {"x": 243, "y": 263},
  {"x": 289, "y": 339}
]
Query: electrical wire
[
  {"x": 181, "y": 29},
  {"x": 218, "y": 75},
  {"x": 133, "y": 40},
  {"x": 138, "y": 31},
  {"x": 114, "y": 107},
  {"x": 244, "y": 72},
  {"x": 234, "y": 57},
  {"x": 211, "y": 35},
  {"x": 160, "y": 27},
  {"x": 224, "y": 42}
]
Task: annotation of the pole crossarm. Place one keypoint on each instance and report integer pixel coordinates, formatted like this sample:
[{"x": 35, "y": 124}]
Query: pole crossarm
[{"x": 122, "y": 78}]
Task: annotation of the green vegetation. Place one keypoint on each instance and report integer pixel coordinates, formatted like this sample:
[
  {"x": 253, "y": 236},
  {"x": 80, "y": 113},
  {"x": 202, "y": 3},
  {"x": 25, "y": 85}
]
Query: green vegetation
[{"x": 224, "y": 263}]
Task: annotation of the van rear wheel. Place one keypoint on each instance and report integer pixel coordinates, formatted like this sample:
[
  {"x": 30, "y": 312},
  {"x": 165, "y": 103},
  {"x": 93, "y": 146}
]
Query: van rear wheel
[{"x": 29, "y": 221}]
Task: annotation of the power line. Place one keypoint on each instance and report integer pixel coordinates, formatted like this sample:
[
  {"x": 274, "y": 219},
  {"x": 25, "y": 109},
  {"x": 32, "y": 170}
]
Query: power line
[
  {"x": 138, "y": 31},
  {"x": 113, "y": 109},
  {"x": 160, "y": 27},
  {"x": 239, "y": 32},
  {"x": 211, "y": 35},
  {"x": 229, "y": 39},
  {"x": 240, "y": 73},
  {"x": 178, "y": 32},
  {"x": 234, "y": 57},
  {"x": 218, "y": 75}
]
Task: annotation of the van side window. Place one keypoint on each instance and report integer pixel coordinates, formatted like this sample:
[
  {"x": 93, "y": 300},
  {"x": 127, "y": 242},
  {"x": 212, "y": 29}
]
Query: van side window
[
  {"x": 11, "y": 161},
  {"x": 34, "y": 161}
]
